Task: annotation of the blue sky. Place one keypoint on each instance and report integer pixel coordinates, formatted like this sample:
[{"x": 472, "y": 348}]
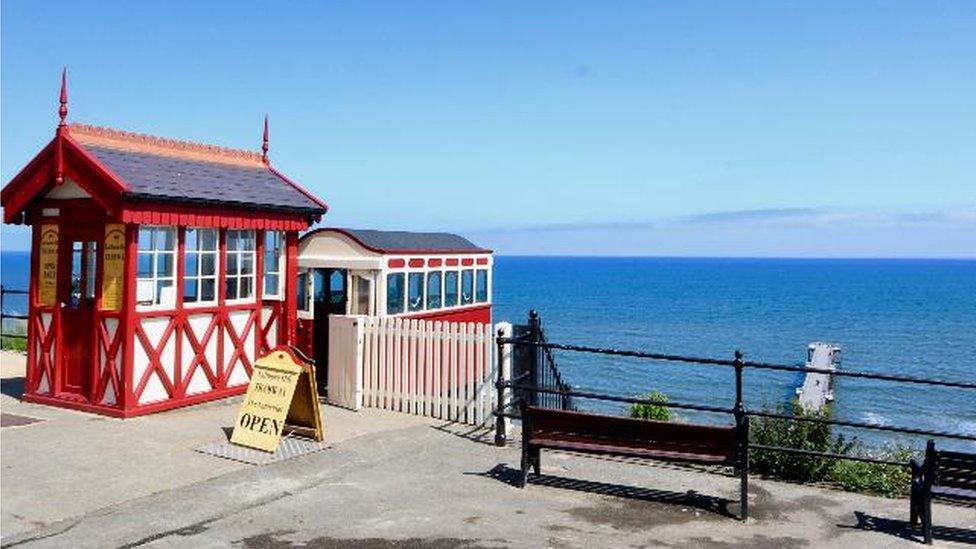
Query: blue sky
[{"x": 684, "y": 128}]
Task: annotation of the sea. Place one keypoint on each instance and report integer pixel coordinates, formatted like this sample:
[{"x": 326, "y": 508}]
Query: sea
[{"x": 907, "y": 317}]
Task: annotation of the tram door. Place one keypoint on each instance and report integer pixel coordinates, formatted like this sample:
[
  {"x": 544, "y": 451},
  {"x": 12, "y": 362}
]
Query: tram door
[{"x": 330, "y": 298}]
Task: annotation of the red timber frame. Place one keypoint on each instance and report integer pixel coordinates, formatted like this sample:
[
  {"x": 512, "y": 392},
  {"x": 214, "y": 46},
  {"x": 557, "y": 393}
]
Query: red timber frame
[{"x": 118, "y": 336}]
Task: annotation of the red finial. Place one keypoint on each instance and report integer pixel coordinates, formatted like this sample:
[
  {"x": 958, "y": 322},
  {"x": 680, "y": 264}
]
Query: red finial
[
  {"x": 264, "y": 145},
  {"x": 63, "y": 111}
]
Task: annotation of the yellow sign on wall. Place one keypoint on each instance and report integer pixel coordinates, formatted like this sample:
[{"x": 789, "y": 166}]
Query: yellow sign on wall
[
  {"x": 47, "y": 282},
  {"x": 272, "y": 400},
  {"x": 113, "y": 266}
]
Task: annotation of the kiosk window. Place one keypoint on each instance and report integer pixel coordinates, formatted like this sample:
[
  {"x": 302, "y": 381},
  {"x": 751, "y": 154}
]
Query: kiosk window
[
  {"x": 200, "y": 266},
  {"x": 273, "y": 245},
  {"x": 240, "y": 264},
  {"x": 156, "y": 274}
]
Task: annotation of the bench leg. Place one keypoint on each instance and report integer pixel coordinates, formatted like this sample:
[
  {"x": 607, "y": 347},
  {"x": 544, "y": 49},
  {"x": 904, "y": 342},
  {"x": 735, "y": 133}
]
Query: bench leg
[
  {"x": 537, "y": 461},
  {"x": 744, "y": 492},
  {"x": 524, "y": 476},
  {"x": 927, "y": 518},
  {"x": 915, "y": 494}
]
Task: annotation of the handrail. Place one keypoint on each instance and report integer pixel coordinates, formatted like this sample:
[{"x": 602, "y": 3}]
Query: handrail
[{"x": 745, "y": 363}]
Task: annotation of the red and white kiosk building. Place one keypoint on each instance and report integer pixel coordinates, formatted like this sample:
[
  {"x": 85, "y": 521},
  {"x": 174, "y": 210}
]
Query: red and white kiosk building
[{"x": 159, "y": 268}]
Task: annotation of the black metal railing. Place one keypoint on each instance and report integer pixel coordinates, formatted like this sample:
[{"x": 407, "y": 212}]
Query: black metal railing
[
  {"x": 536, "y": 366},
  {"x": 4, "y": 316},
  {"x": 523, "y": 388}
]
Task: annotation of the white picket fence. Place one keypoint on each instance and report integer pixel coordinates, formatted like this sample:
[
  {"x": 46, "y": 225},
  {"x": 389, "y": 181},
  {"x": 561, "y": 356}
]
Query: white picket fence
[{"x": 442, "y": 370}]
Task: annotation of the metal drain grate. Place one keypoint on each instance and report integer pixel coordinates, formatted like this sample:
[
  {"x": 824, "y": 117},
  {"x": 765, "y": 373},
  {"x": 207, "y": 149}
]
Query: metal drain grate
[{"x": 290, "y": 447}]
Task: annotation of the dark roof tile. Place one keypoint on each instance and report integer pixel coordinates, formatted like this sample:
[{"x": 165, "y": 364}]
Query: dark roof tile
[{"x": 404, "y": 241}]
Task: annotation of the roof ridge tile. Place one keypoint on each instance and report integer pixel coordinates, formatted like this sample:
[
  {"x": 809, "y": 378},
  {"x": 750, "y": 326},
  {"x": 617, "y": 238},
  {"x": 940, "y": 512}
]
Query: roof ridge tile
[{"x": 102, "y": 136}]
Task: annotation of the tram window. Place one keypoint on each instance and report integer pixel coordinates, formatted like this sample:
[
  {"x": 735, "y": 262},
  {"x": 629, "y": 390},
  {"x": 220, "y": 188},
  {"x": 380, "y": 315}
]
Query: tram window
[
  {"x": 450, "y": 288},
  {"x": 467, "y": 287},
  {"x": 415, "y": 292},
  {"x": 481, "y": 286},
  {"x": 304, "y": 296},
  {"x": 434, "y": 290},
  {"x": 394, "y": 293}
]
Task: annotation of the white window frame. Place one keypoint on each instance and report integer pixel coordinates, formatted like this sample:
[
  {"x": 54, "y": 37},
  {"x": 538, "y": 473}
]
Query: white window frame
[
  {"x": 240, "y": 255},
  {"x": 278, "y": 269},
  {"x": 215, "y": 252},
  {"x": 153, "y": 280},
  {"x": 304, "y": 309}
]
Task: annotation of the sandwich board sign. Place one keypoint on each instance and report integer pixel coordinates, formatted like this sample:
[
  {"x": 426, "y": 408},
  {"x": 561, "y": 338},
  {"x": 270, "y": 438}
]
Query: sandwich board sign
[{"x": 281, "y": 396}]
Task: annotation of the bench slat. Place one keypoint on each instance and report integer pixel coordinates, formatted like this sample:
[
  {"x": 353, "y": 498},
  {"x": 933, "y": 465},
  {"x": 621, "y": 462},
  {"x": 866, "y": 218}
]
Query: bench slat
[
  {"x": 956, "y": 482},
  {"x": 943, "y": 492},
  {"x": 615, "y": 449},
  {"x": 629, "y": 428},
  {"x": 725, "y": 452}
]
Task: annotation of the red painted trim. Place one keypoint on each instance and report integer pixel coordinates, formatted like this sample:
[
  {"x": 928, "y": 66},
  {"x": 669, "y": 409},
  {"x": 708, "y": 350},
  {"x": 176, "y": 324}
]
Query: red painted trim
[
  {"x": 435, "y": 262},
  {"x": 482, "y": 261},
  {"x": 129, "y": 318},
  {"x": 467, "y": 262},
  {"x": 287, "y": 333},
  {"x": 431, "y": 251},
  {"x": 18, "y": 192},
  {"x": 416, "y": 262},
  {"x": 117, "y": 184},
  {"x": 396, "y": 263},
  {"x": 301, "y": 189},
  {"x": 480, "y": 313},
  {"x": 196, "y": 215},
  {"x": 150, "y": 408},
  {"x": 452, "y": 262}
]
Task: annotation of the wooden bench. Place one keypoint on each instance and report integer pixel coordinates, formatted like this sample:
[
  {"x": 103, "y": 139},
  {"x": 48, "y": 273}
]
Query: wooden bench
[
  {"x": 943, "y": 475},
  {"x": 621, "y": 436}
]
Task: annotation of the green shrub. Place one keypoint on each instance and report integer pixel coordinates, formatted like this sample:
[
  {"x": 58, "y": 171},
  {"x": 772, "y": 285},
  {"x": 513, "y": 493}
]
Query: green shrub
[
  {"x": 875, "y": 478},
  {"x": 651, "y": 407},
  {"x": 803, "y": 435},
  {"x": 853, "y": 476},
  {"x": 13, "y": 343}
]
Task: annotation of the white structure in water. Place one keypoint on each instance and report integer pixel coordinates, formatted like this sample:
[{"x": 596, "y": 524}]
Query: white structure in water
[{"x": 818, "y": 387}]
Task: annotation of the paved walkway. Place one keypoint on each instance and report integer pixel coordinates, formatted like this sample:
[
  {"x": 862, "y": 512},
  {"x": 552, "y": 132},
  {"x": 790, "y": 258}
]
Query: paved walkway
[{"x": 405, "y": 482}]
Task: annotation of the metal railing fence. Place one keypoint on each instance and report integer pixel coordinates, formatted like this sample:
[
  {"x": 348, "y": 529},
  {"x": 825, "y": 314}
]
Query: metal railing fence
[
  {"x": 4, "y": 316},
  {"x": 525, "y": 390}
]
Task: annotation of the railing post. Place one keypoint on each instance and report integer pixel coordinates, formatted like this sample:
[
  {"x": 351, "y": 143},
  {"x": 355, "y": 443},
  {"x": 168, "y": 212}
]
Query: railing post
[
  {"x": 742, "y": 432},
  {"x": 535, "y": 336},
  {"x": 503, "y": 359}
]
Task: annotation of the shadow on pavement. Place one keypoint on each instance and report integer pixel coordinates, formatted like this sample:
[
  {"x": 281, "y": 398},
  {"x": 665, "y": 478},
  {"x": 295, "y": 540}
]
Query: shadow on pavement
[
  {"x": 12, "y": 386},
  {"x": 510, "y": 476},
  {"x": 901, "y": 529}
]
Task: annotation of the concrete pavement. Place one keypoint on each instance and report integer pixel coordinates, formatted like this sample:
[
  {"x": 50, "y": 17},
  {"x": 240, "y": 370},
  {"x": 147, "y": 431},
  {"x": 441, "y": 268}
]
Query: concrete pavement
[{"x": 409, "y": 482}]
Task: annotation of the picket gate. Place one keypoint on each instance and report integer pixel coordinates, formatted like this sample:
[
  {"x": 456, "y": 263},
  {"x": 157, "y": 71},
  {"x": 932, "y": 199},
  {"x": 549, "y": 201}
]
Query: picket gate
[{"x": 443, "y": 370}]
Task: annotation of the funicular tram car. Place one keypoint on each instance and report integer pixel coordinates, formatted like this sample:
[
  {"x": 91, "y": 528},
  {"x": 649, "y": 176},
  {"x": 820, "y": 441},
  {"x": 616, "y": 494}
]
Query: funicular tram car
[{"x": 429, "y": 276}]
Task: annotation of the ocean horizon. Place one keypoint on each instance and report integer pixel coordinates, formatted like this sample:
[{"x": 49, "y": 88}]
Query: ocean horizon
[{"x": 891, "y": 315}]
